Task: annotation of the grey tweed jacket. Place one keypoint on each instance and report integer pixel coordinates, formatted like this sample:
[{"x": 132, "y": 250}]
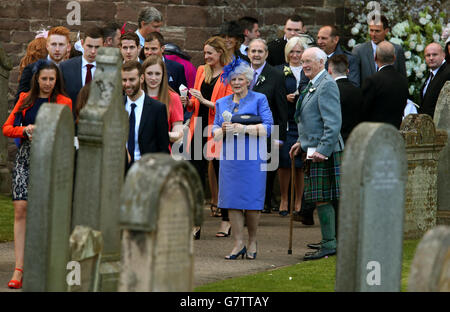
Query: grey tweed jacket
[{"x": 320, "y": 117}]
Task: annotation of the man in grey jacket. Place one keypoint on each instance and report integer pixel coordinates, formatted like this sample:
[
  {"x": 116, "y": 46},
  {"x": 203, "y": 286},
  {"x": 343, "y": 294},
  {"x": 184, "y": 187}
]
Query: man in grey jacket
[
  {"x": 318, "y": 115},
  {"x": 378, "y": 31}
]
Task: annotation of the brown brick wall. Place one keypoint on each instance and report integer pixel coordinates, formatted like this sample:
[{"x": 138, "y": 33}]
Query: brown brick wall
[{"x": 188, "y": 23}]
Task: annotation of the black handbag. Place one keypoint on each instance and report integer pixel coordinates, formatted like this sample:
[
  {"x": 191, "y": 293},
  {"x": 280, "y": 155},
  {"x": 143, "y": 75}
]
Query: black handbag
[{"x": 246, "y": 119}]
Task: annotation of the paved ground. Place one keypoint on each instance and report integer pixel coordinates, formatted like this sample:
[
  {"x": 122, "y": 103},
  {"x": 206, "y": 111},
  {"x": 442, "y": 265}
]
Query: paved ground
[{"x": 210, "y": 265}]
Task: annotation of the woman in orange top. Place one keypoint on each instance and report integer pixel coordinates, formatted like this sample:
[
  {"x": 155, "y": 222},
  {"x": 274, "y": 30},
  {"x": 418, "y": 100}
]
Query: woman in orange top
[
  {"x": 46, "y": 86},
  {"x": 157, "y": 87},
  {"x": 208, "y": 88}
]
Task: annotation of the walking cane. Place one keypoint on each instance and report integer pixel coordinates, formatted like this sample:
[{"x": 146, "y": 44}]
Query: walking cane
[{"x": 291, "y": 221}]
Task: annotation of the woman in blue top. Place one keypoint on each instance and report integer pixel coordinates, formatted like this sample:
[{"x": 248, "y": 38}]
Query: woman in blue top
[{"x": 242, "y": 122}]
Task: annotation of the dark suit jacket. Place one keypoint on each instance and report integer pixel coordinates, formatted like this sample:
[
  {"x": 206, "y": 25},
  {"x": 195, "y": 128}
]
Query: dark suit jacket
[
  {"x": 176, "y": 75},
  {"x": 367, "y": 61},
  {"x": 274, "y": 89},
  {"x": 428, "y": 102},
  {"x": 354, "y": 75},
  {"x": 351, "y": 104},
  {"x": 385, "y": 95},
  {"x": 71, "y": 72},
  {"x": 276, "y": 52},
  {"x": 25, "y": 80},
  {"x": 153, "y": 127}
]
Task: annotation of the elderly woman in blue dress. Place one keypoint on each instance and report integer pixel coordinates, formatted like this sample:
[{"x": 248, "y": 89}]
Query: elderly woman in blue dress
[{"x": 243, "y": 123}]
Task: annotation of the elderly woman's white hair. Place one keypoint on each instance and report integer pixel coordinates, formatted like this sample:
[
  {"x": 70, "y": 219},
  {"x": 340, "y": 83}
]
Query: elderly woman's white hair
[
  {"x": 302, "y": 42},
  {"x": 318, "y": 53},
  {"x": 235, "y": 68}
]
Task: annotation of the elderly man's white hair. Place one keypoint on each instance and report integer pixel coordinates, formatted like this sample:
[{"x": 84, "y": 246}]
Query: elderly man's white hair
[
  {"x": 318, "y": 53},
  {"x": 264, "y": 42}
]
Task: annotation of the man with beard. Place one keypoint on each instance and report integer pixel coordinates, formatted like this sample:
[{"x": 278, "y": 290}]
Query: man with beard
[{"x": 148, "y": 131}]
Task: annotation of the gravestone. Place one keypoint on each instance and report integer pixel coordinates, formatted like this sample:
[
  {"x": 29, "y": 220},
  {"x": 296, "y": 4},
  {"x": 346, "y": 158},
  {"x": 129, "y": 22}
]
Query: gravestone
[
  {"x": 442, "y": 121},
  {"x": 161, "y": 201},
  {"x": 423, "y": 144},
  {"x": 49, "y": 200},
  {"x": 5, "y": 68},
  {"x": 85, "y": 253},
  {"x": 102, "y": 134},
  {"x": 369, "y": 250},
  {"x": 430, "y": 269}
]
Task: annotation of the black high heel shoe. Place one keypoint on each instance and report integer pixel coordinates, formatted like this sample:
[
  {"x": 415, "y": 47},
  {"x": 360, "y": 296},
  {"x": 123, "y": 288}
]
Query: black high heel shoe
[{"x": 240, "y": 253}]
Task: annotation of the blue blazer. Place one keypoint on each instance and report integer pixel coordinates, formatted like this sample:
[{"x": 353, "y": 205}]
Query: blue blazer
[
  {"x": 175, "y": 75},
  {"x": 320, "y": 117},
  {"x": 71, "y": 72}
]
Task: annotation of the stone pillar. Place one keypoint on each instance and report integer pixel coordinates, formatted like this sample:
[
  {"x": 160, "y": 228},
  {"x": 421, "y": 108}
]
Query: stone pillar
[
  {"x": 49, "y": 200},
  {"x": 430, "y": 269},
  {"x": 423, "y": 145},
  {"x": 162, "y": 199},
  {"x": 102, "y": 134},
  {"x": 442, "y": 121},
  {"x": 374, "y": 173},
  {"x": 5, "y": 175}
]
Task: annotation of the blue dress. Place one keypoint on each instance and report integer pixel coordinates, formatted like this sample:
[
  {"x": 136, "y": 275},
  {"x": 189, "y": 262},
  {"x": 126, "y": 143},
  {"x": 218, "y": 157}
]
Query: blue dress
[{"x": 242, "y": 180}]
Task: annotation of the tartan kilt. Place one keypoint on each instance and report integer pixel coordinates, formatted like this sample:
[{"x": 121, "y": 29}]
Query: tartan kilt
[{"x": 324, "y": 181}]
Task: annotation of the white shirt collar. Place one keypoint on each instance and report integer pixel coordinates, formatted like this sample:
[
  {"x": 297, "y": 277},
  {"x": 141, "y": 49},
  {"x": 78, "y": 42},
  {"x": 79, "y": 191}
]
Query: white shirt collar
[
  {"x": 141, "y": 38},
  {"x": 313, "y": 81},
  {"x": 437, "y": 69},
  {"x": 340, "y": 77},
  {"x": 374, "y": 47},
  {"x": 139, "y": 101},
  {"x": 259, "y": 70},
  {"x": 84, "y": 62}
]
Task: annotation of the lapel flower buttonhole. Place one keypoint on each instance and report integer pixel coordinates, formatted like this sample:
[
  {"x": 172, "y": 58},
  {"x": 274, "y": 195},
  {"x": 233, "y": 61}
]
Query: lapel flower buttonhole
[
  {"x": 311, "y": 90},
  {"x": 261, "y": 79}
]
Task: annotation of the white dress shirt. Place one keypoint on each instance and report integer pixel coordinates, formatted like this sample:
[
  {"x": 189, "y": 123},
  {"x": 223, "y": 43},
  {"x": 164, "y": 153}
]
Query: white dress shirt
[
  {"x": 84, "y": 70},
  {"x": 138, "y": 114}
]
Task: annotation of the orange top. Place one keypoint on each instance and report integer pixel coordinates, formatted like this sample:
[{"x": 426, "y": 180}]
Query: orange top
[
  {"x": 17, "y": 132},
  {"x": 220, "y": 90}
]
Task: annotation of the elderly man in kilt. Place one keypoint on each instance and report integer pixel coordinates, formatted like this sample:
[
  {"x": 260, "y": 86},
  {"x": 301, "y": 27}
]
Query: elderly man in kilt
[{"x": 318, "y": 115}]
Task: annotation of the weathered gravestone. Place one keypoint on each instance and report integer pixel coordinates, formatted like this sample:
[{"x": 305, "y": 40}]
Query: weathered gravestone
[
  {"x": 430, "y": 269},
  {"x": 49, "y": 200},
  {"x": 5, "y": 67},
  {"x": 423, "y": 145},
  {"x": 102, "y": 133},
  {"x": 369, "y": 250},
  {"x": 85, "y": 253},
  {"x": 442, "y": 121},
  {"x": 161, "y": 201}
]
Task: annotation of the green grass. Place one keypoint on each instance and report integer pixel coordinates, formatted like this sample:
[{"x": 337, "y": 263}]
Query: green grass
[
  {"x": 6, "y": 219},
  {"x": 310, "y": 276}
]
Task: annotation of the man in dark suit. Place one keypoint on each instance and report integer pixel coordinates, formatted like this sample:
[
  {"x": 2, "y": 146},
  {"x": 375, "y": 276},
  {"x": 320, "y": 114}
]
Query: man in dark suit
[
  {"x": 80, "y": 70},
  {"x": 58, "y": 41},
  {"x": 438, "y": 75},
  {"x": 270, "y": 82},
  {"x": 378, "y": 31},
  {"x": 328, "y": 41},
  {"x": 351, "y": 97},
  {"x": 386, "y": 92},
  {"x": 294, "y": 26},
  {"x": 149, "y": 130},
  {"x": 155, "y": 45}
]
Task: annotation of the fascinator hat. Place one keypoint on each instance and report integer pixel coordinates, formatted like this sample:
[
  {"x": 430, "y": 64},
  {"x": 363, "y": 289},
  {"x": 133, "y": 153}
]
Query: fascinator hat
[
  {"x": 39, "y": 65},
  {"x": 237, "y": 67}
]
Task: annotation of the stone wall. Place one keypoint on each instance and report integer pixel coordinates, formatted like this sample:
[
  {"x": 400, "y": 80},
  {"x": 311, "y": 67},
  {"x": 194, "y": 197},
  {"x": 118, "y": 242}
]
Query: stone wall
[{"x": 187, "y": 23}]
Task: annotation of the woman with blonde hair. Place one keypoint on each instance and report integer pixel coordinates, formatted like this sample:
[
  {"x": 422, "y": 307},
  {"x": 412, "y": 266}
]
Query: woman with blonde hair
[
  {"x": 208, "y": 88},
  {"x": 157, "y": 87}
]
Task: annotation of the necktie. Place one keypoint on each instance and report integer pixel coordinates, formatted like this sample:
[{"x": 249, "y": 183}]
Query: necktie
[
  {"x": 252, "y": 85},
  {"x": 428, "y": 83},
  {"x": 88, "y": 73},
  {"x": 300, "y": 100},
  {"x": 131, "y": 132}
]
